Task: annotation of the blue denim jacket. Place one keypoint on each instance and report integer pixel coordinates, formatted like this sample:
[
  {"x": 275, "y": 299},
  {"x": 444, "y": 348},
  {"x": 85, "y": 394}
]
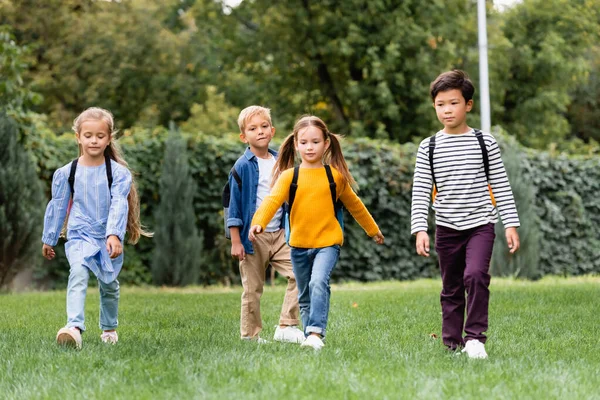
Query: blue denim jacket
[{"x": 242, "y": 204}]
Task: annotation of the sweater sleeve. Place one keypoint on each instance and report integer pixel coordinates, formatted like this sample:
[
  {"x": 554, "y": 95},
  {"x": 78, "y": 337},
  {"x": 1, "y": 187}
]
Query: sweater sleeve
[
  {"x": 358, "y": 210},
  {"x": 119, "y": 206},
  {"x": 498, "y": 180},
  {"x": 56, "y": 211},
  {"x": 422, "y": 186},
  {"x": 279, "y": 194}
]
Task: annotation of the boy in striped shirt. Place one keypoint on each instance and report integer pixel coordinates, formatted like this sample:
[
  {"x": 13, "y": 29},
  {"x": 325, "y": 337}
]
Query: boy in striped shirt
[{"x": 472, "y": 190}]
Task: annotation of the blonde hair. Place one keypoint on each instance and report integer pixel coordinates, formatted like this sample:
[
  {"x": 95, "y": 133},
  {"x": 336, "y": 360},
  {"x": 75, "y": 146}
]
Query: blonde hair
[
  {"x": 250, "y": 112},
  {"x": 135, "y": 229},
  {"x": 333, "y": 155}
]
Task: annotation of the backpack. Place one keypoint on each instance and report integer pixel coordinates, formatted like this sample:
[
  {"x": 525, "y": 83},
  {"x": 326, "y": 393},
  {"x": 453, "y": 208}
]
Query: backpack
[
  {"x": 109, "y": 176},
  {"x": 338, "y": 208},
  {"x": 486, "y": 164},
  {"x": 226, "y": 197}
]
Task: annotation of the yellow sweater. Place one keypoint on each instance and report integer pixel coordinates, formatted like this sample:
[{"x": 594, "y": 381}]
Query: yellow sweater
[{"x": 312, "y": 221}]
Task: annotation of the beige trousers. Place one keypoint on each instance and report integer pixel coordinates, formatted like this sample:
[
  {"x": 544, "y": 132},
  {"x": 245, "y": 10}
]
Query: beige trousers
[{"x": 269, "y": 248}]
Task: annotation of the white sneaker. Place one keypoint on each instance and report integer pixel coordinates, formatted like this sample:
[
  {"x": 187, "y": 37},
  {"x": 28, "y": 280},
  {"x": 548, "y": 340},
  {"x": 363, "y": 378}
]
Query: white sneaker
[
  {"x": 69, "y": 337},
  {"x": 475, "y": 349},
  {"x": 313, "y": 341},
  {"x": 109, "y": 337},
  {"x": 290, "y": 334},
  {"x": 256, "y": 339}
]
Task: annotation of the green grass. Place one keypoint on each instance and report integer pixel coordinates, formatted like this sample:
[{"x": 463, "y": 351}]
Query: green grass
[{"x": 542, "y": 344}]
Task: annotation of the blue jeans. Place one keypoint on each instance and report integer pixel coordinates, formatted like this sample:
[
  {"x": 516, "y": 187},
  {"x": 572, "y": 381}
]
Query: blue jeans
[
  {"x": 76, "y": 291},
  {"x": 312, "y": 268}
]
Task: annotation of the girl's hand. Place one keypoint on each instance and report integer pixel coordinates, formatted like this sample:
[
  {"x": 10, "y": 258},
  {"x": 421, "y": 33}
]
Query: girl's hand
[
  {"x": 512, "y": 238},
  {"x": 378, "y": 238},
  {"x": 423, "y": 244},
  {"x": 254, "y": 230},
  {"x": 48, "y": 252},
  {"x": 114, "y": 246}
]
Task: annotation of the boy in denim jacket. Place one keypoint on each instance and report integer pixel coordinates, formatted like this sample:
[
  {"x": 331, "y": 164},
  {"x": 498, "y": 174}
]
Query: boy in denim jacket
[{"x": 255, "y": 170}]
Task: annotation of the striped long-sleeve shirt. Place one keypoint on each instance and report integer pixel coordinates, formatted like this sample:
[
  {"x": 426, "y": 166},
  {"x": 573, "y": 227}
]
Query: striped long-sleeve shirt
[{"x": 463, "y": 200}]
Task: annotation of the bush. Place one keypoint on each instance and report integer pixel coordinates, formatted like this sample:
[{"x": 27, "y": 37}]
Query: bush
[
  {"x": 20, "y": 205},
  {"x": 525, "y": 262},
  {"x": 178, "y": 255},
  {"x": 566, "y": 203}
]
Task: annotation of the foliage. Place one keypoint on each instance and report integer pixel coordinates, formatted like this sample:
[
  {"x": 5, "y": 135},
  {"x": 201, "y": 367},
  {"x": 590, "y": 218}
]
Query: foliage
[
  {"x": 15, "y": 96},
  {"x": 525, "y": 262},
  {"x": 214, "y": 117},
  {"x": 549, "y": 41},
  {"x": 565, "y": 202},
  {"x": 178, "y": 255},
  {"x": 20, "y": 205},
  {"x": 363, "y": 65}
]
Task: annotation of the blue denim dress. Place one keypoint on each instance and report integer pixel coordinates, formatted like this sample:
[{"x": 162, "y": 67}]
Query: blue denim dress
[{"x": 96, "y": 213}]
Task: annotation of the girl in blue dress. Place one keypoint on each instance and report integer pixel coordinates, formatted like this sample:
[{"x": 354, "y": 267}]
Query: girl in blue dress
[{"x": 97, "y": 196}]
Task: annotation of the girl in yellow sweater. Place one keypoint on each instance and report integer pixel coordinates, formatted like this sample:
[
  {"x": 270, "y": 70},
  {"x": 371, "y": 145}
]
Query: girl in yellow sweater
[{"x": 315, "y": 234}]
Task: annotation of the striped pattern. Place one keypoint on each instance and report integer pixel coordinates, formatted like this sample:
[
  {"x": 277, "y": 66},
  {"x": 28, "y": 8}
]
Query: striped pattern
[
  {"x": 96, "y": 214},
  {"x": 463, "y": 199}
]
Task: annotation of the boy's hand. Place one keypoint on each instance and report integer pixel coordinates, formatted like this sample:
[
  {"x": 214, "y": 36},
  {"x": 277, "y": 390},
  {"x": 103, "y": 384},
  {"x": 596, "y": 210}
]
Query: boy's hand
[
  {"x": 423, "y": 244},
  {"x": 48, "y": 252},
  {"x": 237, "y": 251},
  {"x": 254, "y": 230},
  {"x": 378, "y": 238},
  {"x": 512, "y": 238},
  {"x": 114, "y": 246}
]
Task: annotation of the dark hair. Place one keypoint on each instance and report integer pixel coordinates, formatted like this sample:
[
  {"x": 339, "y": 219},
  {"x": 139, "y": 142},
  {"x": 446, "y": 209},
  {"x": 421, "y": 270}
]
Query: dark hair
[{"x": 455, "y": 79}]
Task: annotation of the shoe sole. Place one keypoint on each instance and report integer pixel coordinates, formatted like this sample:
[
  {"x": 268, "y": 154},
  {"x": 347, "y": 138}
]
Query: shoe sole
[{"x": 65, "y": 339}]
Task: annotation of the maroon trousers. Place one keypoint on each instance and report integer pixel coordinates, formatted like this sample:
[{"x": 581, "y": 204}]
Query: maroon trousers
[{"x": 464, "y": 258}]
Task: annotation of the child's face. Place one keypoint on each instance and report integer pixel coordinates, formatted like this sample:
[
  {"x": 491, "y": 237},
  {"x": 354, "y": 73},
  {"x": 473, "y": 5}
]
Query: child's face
[
  {"x": 451, "y": 110},
  {"x": 258, "y": 133},
  {"x": 311, "y": 145},
  {"x": 93, "y": 138}
]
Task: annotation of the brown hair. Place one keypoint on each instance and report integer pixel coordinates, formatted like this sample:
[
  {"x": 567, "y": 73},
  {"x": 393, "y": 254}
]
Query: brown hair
[
  {"x": 135, "y": 229},
  {"x": 333, "y": 155},
  {"x": 455, "y": 79}
]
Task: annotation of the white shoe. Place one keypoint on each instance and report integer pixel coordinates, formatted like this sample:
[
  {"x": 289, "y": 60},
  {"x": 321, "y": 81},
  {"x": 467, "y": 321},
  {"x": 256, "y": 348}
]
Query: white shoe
[
  {"x": 313, "y": 341},
  {"x": 290, "y": 334},
  {"x": 475, "y": 349},
  {"x": 69, "y": 337},
  {"x": 256, "y": 339},
  {"x": 109, "y": 337}
]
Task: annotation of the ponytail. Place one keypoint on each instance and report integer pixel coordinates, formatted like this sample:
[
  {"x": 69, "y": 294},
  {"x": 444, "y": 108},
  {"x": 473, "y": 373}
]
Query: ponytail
[
  {"x": 286, "y": 157},
  {"x": 334, "y": 156}
]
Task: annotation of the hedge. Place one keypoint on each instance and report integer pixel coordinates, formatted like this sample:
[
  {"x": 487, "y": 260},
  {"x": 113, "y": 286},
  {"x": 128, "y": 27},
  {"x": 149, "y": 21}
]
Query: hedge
[{"x": 566, "y": 202}]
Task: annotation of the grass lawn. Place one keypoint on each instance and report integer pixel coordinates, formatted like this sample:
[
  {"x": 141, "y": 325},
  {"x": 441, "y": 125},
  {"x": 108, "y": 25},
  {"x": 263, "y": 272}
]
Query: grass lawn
[{"x": 542, "y": 344}]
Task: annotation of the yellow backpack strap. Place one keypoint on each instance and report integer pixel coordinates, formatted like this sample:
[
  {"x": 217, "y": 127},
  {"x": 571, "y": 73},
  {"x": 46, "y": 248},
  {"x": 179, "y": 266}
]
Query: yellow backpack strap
[
  {"x": 431, "y": 149},
  {"x": 486, "y": 162}
]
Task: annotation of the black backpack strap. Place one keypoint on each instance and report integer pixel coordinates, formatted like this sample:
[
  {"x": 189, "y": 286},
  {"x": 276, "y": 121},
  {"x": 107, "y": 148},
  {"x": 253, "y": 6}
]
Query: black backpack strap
[
  {"x": 431, "y": 149},
  {"x": 72, "y": 175},
  {"x": 237, "y": 177},
  {"x": 332, "y": 186},
  {"x": 484, "y": 153},
  {"x": 109, "y": 174},
  {"x": 293, "y": 188}
]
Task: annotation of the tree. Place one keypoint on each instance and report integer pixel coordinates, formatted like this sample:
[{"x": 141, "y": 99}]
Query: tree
[
  {"x": 364, "y": 66},
  {"x": 15, "y": 95},
  {"x": 178, "y": 255},
  {"x": 20, "y": 205},
  {"x": 550, "y": 41}
]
